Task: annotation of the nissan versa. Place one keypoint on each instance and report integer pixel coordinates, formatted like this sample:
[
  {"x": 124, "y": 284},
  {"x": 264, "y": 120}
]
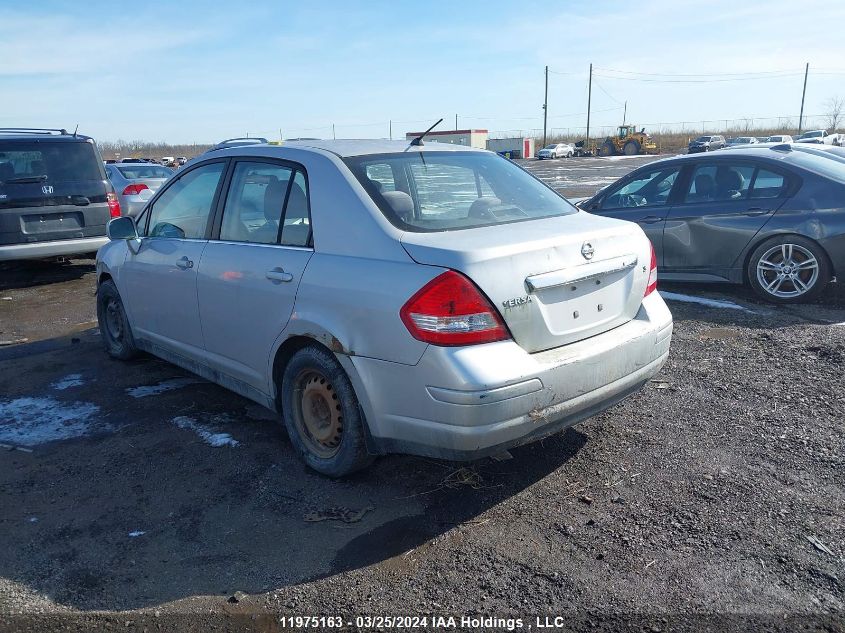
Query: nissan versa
[{"x": 386, "y": 297}]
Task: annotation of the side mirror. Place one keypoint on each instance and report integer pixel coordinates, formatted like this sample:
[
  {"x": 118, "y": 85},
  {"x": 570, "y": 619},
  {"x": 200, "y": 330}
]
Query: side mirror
[{"x": 122, "y": 228}]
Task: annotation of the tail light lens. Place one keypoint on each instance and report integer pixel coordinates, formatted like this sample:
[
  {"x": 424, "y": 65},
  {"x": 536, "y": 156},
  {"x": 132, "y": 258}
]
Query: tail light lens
[
  {"x": 114, "y": 205},
  {"x": 134, "y": 190},
  {"x": 652, "y": 275},
  {"x": 450, "y": 310}
]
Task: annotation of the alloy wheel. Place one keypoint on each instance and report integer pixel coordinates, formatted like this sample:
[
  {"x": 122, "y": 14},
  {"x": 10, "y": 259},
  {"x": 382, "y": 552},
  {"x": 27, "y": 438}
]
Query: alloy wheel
[{"x": 787, "y": 270}]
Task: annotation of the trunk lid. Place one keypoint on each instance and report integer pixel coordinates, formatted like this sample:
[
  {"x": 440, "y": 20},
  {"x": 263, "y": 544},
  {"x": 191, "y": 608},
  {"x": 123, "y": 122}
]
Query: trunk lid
[{"x": 547, "y": 290}]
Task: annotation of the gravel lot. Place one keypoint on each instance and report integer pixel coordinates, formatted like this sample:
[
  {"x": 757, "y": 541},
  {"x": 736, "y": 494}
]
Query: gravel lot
[{"x": 712, "y": 498}]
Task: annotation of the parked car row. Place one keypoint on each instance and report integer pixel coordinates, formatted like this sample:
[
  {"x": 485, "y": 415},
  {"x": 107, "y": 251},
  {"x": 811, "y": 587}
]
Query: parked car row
[{"x": 708, "y": 143}]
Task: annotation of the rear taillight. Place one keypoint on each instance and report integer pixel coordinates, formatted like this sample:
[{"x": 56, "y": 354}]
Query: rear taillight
[
  {"x": 652, "y": 275},
  {"x": 450, "y": 310},
  {"x": 134, "y": 190},
  {"x": 114, "y": 205}
]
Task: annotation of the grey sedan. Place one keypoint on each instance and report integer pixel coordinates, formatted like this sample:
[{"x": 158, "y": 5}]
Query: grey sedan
[
  {"x": 772, "y": 217},
  {"x": 135, "y": 183},
  {"x": 386, "y": 297}
]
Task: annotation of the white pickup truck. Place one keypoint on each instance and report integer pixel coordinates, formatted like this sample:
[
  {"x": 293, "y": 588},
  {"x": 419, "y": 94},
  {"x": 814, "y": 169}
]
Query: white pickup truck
[{"x": 822, "y": 137}]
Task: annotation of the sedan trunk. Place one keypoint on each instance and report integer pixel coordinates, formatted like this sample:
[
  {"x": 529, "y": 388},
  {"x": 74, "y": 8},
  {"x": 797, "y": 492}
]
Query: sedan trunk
[{"x": 554, "y": 280}]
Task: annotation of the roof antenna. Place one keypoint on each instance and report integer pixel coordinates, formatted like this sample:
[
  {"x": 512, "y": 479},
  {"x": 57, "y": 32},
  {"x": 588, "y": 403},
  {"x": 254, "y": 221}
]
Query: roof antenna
[
  {"x": 419, "y": 139},
  {"x": 75, "y": 130}
]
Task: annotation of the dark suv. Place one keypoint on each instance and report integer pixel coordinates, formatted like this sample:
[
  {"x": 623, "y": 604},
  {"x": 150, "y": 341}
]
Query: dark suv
[
  {"x": 55, "y": 199},
  {"x": 706, "y": 144}
]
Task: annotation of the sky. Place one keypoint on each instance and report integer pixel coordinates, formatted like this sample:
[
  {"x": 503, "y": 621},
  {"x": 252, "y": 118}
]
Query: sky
[{"x": 186, "y": 71}]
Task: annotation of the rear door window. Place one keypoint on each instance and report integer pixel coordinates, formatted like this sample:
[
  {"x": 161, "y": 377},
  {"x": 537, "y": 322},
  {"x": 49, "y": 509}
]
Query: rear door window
[
  {"x": 768, "y": 184},
  {"x": 719, "y": 182},
  {"x": 182, "y": 210}
]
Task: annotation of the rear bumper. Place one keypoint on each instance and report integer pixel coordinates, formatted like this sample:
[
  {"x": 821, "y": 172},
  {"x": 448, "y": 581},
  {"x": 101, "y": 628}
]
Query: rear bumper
[
  {"x": 54, "y": 248},
  {"x": 466, "y": 403}
]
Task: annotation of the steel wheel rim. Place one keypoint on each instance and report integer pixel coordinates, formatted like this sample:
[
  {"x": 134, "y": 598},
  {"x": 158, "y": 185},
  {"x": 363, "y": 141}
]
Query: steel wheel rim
[
  {"x": 787, "y": 270},
  {"x": 317, "y": 413},
  {"x": 114, "y": 319}
]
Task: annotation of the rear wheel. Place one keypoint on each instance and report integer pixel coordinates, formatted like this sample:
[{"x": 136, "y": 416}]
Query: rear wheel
[
  {"x": 789, "y": 269},
  {"x": 631, "y": 148},
  {"x": 608, "y": 149},
  {"x": 114, "y": 324},
  {"x": 321, "y": 412}
]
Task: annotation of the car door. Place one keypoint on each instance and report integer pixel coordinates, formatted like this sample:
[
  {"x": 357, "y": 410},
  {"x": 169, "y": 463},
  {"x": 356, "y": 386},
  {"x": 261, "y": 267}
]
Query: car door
[
  {"x": 643, "y": 197},
  {"x": 160, "y": 279},
  {"x": 250, "y": 270},
  {"x": 720, "y": 211}
]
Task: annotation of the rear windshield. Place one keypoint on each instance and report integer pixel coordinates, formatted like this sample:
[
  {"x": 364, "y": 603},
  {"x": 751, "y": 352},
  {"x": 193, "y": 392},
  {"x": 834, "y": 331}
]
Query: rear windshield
[
  {"x": 51, "y": 162},
  {"x": 829, "y": 166},
  {"x": 145, "y": 171},
  {"x": 427, "y": 191}
]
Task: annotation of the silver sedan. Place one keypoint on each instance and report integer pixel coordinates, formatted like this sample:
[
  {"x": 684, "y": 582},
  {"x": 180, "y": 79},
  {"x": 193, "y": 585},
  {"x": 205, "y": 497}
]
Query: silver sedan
[
  {"x": 135, "y": 184},
  {"x": 386, "y": 297}
]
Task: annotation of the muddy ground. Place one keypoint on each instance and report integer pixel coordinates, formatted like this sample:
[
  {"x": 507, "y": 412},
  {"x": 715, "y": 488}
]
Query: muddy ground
[{"x": 712, "y": 498}]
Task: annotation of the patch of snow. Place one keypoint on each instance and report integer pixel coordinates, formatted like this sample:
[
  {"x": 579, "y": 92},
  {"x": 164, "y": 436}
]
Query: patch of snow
[
  {"x": 33, "y": 421},
  {"x": 167, "y": 385},
  {"x": 136, "y": 533},
  {"x": 713, "y": 303},
  {"x": 208, "y": 435},
  {"x": 71, "y": 380}
]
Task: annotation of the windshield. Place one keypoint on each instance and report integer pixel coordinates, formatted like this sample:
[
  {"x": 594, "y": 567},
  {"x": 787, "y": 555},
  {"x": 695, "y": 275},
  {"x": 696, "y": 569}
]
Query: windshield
[
  {"x": 813, "y": 134},
  {"x": 428, "y": 191},
  {"x": 145, "y": 171},
  {"x": 552, "y": 146},
  {"x": 743, "y": 139},
  {"x": 702, "y": 139}
]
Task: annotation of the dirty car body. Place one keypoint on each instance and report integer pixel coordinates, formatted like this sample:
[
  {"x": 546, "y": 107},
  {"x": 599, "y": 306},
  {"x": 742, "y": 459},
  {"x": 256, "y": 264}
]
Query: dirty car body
[{"x": 386, "y": 246}]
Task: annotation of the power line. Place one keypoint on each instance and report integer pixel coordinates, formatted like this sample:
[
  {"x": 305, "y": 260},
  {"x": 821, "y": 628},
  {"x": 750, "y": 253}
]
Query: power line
[
  {"x": 699, "y": 81},
  {"x": 751, "y": 72}
]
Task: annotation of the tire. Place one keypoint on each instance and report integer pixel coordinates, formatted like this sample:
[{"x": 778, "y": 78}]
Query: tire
[
  {"x": 321, "y": 413},
  {"x": 607, "y": 149},
  {"x": 115, "y": 330},
  {"x": 631, "y": 148},
  {"x": 773, "y": 275}
]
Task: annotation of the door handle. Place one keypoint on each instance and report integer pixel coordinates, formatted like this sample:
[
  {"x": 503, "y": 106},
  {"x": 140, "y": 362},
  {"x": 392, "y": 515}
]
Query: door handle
[
  {"x": 278, "y": 274},
  {"x": 650, "y": 219},
  {"x": 755, "y": 211},
  {"x": 184, "y": 263}
]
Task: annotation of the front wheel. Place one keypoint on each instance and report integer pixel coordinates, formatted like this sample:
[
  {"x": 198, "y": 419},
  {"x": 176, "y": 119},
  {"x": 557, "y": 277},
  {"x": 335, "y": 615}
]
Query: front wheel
[
  {"x": 114, "y": 324},
  {"x": 321, "y": 412},
  {"x": 789, "y": 269}
]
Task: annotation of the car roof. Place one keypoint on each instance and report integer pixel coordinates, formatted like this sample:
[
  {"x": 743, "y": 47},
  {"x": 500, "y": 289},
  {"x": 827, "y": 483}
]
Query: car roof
[{"x": 354, "y": 147}]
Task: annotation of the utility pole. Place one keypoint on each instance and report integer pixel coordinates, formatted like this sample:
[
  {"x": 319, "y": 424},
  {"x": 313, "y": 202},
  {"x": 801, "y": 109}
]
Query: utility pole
[
  {"x": 456, "y": 122},
  {"x": 589, "y": 99},
  {"x": 334, "y": 136},
  {"x": 546, "y": 107},
  {"x": 803, "y": 94},
  {"x": 625, "y": 113},
  {"x": 390, "y": 124}
]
